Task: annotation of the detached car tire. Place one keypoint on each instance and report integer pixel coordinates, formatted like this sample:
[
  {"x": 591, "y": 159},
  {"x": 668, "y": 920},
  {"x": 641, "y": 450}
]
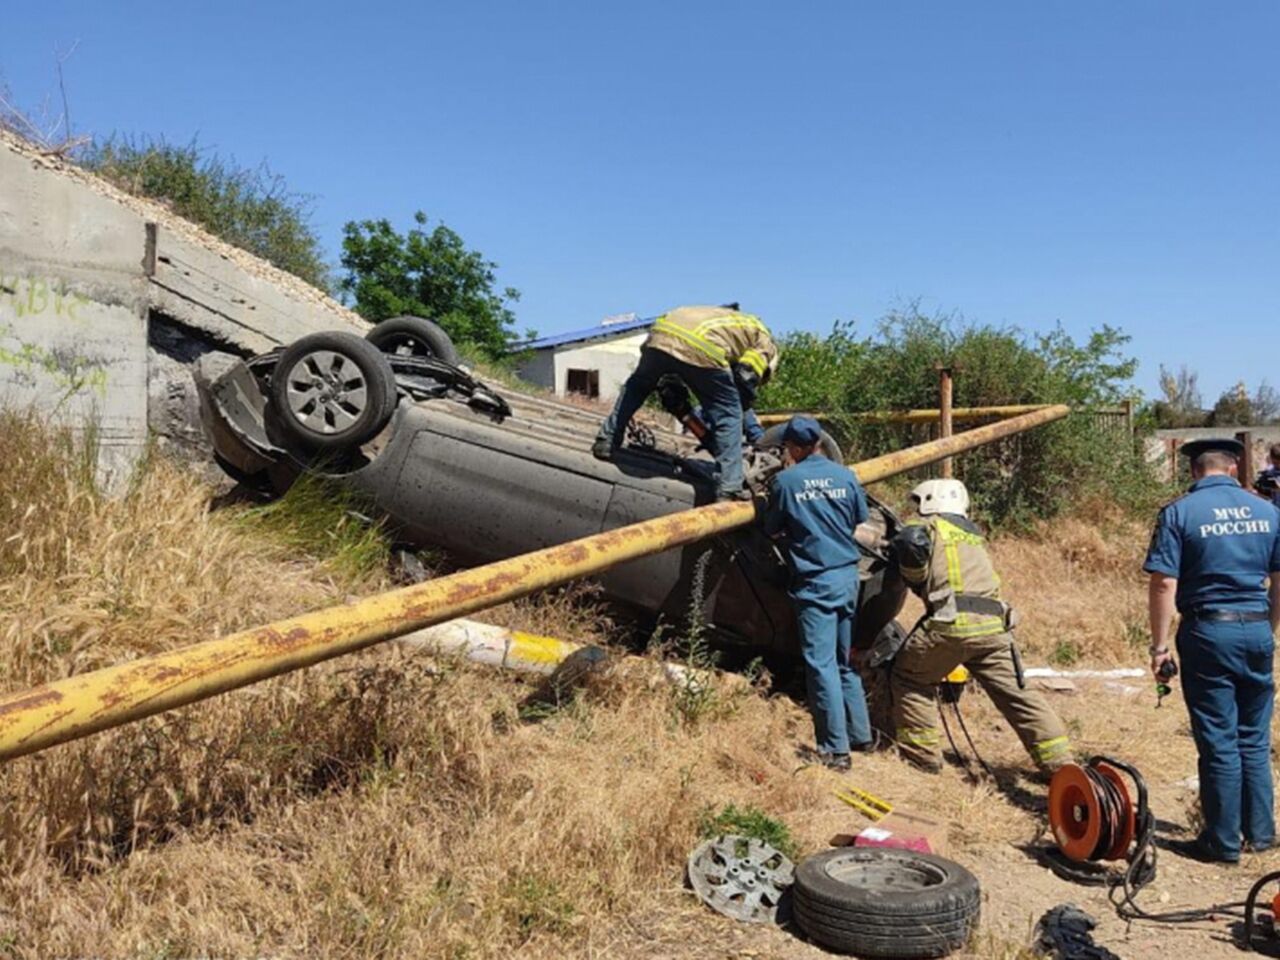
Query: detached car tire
[
  {"x": 332, "y": 391},
  {"x": 877, "y": 902},
  {"x": 415, "y": 337},
  {"x": 827, "y": 445}
]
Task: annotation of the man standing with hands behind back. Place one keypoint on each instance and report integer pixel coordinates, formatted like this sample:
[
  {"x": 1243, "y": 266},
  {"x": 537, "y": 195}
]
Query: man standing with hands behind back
[
  {"x": 1211, "y": 553},
  {"x": 815, "y": 507}
]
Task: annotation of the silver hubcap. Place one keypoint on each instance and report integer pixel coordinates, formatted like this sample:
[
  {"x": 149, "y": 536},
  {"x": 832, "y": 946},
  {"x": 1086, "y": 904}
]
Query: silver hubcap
[{"x": 327, "y": 392}]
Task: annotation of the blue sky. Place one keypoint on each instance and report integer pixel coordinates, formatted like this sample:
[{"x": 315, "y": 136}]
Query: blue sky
[{"x": 1080, "y": 162}]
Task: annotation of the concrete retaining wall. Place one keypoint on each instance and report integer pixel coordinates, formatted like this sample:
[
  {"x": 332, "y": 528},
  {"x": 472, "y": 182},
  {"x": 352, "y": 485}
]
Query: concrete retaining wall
[{"x": 105, "y": 301}]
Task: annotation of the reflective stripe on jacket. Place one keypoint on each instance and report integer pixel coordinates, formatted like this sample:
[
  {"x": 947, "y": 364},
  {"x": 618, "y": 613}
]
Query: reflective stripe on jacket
[
  {"x": 958, "y": 566},
  {"x": 714, "y": 337}
]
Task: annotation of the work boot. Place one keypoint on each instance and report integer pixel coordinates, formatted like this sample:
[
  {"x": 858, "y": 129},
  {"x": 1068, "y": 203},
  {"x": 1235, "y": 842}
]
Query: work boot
[
  {"x": 839, "y": 762},
  {"x": 932, "y": 767},
  {"x": 1198, "y": 850},
  {"x": 740, "y": 494},
  {"x": 603, "y": 448}
]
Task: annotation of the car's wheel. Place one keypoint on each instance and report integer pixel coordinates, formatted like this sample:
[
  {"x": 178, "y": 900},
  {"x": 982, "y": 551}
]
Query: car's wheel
[
  {"x": 413, "y": 336},
  {"x": 826, "y": 443},
  {"x": 876, "y": 902},
  {"x": 332, "y": 391}
]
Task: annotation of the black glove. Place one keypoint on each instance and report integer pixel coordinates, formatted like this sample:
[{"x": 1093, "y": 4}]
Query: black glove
[
  {"x": 674, "y": 396},
  {"x": 748, "y": 383}
]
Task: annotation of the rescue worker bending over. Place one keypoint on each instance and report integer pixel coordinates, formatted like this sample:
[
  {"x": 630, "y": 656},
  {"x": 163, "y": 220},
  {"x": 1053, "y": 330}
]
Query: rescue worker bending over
[
  {"x": 1211, "y": 554},
  {"x": 943, "y": 558},
  {"x": 1268, "y": 482},
  {"x": 724, "y": 356},
  {"x": 815, "y": 507}
]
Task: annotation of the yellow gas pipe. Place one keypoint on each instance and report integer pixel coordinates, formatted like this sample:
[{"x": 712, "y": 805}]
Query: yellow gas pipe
[{"x": 74, "y": 707}]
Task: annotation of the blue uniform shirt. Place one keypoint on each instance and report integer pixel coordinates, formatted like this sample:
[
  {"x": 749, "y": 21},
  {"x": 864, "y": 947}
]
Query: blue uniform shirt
[
  {"x": 1220, "y": 542},
  {"x": 817, "y": 504}
]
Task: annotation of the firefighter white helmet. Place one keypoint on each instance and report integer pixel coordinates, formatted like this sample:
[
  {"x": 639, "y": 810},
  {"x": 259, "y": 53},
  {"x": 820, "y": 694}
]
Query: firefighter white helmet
[{"x": 941, "y": 496}]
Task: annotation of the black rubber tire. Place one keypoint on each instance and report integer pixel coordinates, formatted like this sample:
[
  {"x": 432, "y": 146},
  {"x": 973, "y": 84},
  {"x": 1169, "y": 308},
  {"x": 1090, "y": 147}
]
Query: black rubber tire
[
  {"x": 826, "y": 443},
  {"x": 376, "y": 376},
  {"x": 932, "y": 919},
  {"x": 414, "y": 335}
]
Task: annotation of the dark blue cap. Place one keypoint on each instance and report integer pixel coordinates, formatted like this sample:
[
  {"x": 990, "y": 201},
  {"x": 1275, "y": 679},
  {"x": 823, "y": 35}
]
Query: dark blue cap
[
  {"x": 802, "y": 430},
  {"x": 1194, "y": 448}
]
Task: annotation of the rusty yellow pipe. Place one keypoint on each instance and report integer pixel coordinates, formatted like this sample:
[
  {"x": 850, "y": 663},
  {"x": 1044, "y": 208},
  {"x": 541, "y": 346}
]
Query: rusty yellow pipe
[
  {"x": 925, "y": 415},
  {"x": 890, "y": 464},
  {"x": 74, "y": 707}
]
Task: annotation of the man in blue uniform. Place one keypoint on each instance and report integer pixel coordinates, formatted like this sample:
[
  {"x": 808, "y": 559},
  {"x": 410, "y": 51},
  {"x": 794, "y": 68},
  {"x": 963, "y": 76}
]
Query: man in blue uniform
[
  {"x": 815, "y": 507},
  {"x": 1211, "y": 553}
]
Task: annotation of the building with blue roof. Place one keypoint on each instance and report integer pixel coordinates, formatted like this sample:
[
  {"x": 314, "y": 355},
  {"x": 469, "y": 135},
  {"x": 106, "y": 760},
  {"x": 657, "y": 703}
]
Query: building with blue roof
[{"x": 594, "y": 362}]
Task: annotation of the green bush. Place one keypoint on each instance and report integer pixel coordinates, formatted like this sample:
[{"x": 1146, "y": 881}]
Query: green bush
[
  {"x": 1074, "y": 464},
  {"x": 249, "y": 207},
  {"x": 329, "y": 523}
]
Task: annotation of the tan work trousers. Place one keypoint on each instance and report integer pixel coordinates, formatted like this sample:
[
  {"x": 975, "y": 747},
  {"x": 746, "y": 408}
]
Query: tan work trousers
[{"x": 929, "y": 657}]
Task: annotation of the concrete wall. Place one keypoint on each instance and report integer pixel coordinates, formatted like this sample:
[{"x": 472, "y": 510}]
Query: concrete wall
[
  {"x": 106, "y": 299},
  {"x": 1159, "y": 447},
  {"x": 73, "y": 307}
]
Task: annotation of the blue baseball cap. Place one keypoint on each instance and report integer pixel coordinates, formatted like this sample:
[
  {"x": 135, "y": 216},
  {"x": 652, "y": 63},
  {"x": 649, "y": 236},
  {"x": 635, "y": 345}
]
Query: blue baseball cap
[{"x": 802, "y": 430}]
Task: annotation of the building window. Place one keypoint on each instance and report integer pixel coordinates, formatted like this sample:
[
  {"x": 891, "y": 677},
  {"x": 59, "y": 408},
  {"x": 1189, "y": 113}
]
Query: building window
[{"x": 585, "y": 382}]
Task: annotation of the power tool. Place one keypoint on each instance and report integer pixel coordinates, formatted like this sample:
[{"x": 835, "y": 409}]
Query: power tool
[
  {"x": 674, "y": 396},
  {"x": 1168, "y": 670}
]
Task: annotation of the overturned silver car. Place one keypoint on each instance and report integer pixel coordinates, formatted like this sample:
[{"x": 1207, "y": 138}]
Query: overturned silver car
[{"x": 486, "y": 473}]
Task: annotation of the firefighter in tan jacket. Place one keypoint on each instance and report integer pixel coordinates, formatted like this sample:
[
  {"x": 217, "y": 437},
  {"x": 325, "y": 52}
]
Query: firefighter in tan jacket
[
  {"x": 724, "y": 356},
  {"x": 943, "y": 558}
]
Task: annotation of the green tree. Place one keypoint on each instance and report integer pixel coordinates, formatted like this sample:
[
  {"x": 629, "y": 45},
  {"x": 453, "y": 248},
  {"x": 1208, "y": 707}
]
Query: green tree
[
  {"x": 427, "y": 273},
  {"x": 249, "y": 207},
  {"x": 1233, "y": 408},
  {"x": 1039, "y": 473}
]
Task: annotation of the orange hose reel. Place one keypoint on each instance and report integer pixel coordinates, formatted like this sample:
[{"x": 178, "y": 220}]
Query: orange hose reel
[{"x": 1091, "y": 810}]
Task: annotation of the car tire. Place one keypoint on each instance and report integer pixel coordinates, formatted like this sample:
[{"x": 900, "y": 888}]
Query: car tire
[
  {"x": 413, "y": 336},
  {"x": 878, "y": 902},
  {"x": 827, "y": 445},
  {"x": 332, "y": 391}
]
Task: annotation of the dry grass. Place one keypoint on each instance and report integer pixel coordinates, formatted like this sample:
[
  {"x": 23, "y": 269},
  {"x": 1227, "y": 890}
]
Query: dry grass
[
  {"x": 1080, "y": 589},
  {"x": 390, "y": 806}
]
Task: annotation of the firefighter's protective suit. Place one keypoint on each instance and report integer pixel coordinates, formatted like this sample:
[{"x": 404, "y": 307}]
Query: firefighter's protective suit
[
  {"x": 943, "y": 557},
  {"x": 713, "y": 350}
]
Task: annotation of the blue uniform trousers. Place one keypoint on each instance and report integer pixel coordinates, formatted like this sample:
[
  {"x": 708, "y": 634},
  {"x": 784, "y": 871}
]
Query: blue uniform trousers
[
  {"x": 715, "y": 390},
  {"x": 1228, "y": 686},
  {"x": 826, "y": 605}
]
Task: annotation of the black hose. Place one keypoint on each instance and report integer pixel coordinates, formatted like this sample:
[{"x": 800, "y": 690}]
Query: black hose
[
  {"x": 1140, "y": 864},
  {"x": 977, "y": 756}
]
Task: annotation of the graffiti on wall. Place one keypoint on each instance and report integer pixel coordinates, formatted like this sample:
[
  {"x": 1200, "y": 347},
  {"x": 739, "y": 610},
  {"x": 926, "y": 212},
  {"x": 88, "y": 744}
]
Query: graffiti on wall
[{"x": 36, "y": 296}]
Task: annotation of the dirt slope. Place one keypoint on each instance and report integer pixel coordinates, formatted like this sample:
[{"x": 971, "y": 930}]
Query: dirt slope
[{"x": 383, "y": 806}]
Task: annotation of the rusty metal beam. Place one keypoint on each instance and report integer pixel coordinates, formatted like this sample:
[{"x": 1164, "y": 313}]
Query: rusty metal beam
[
  {"x": 924, "y": 415},
  {"x": 74, "y": 707}
]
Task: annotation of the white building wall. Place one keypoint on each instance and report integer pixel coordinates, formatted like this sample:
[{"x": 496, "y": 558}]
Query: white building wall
[{"x": 615, "y": 359}]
